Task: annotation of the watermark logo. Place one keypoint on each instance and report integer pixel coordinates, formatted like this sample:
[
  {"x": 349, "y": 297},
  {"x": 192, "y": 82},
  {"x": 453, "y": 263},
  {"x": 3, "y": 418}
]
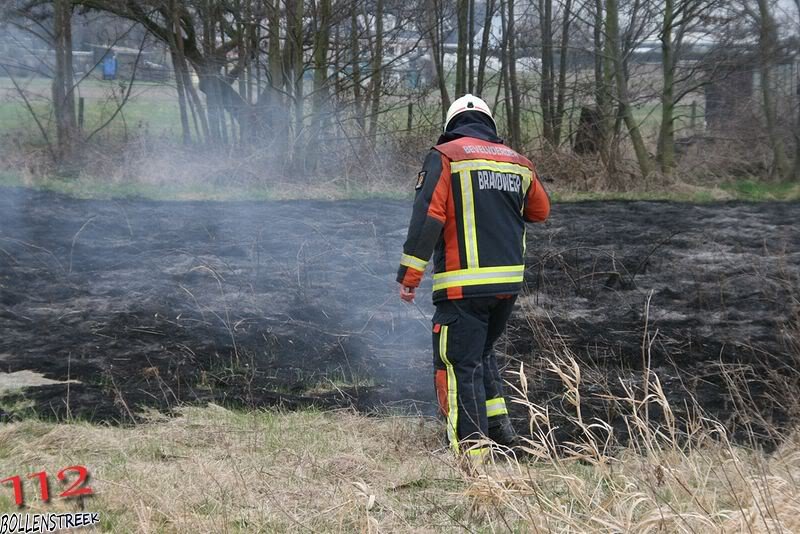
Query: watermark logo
[
  {"x": 36, "y": 523},
  {"x": 76, "y": 480},
  {"x": 78, "y": 487}
]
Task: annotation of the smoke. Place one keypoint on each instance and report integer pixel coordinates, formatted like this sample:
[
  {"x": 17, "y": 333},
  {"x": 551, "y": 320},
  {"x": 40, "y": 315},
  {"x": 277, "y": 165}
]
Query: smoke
[{"x": 250, "y": 302}]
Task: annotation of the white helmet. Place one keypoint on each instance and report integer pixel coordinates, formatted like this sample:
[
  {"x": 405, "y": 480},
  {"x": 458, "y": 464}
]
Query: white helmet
[{"x": 467, "y": 102}]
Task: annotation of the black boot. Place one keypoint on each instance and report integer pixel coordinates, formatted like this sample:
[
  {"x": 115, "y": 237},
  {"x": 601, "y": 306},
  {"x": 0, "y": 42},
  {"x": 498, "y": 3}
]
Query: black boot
[{"x": 501, "y": 431}]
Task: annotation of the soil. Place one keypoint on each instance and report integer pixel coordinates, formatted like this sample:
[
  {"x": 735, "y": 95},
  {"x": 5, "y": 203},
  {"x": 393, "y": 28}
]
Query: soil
[{"x": 127, "y": 305}]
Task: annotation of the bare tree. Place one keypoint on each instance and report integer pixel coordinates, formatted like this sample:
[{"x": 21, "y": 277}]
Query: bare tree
[
  {"x": 462, "y": 14},
  {"x": 434, "y": 27},
  {"x": 512, "y": 82},
  {"x": 484, "y": 51},
  {"x": 768, "y": 50},
  {"x": 615, "y": 69},
  {"x": 63, "y": 78},
  {"x": 376, "y": 79},
  {"x": 552, "y": 96}
]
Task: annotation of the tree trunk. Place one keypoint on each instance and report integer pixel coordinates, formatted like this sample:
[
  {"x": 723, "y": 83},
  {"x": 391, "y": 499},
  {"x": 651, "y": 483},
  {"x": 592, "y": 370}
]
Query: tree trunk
[
  {"x": 487, "y": 25},
  {"x": 666, "y": 137},
  {"x": 768, "y": 42},
  {"x": 504, "y": 69},
  {"x": 437, "y": 50},
  {"x": 298, "y": 68},
  {"x": 376, "y": 82},
  {"x": 179, "y": 80},
  {"x": 275, "y": 103},
  {"x": 515, "y": 126},
  {"x": 321, "y": 45},
  {"x": 612, "y": 30},
  {"x": 561, "y": 98},
  {"x": 208, "y": 75},
  {"x": 337, "y": 62},
  {"x": 355, "y": 58},
  {"x": 471, "y": 48},
  {"x": 241, "y": 27},
  {"x": 600, "y": 88},
  {"x": 796, "y": 169},
  {"x": 63, "y": 81},
  {"x": 462, "y": 10},
  {"x": 198, "y": 110},
  {"x": 186, "y": 133},
  {"x": 546, "y": 82}
]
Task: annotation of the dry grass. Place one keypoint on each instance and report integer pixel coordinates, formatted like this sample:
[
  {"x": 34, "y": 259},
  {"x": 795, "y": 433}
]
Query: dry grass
[
  {"x": 666, "y": 479},
  {"x": 215, "y": 470}
]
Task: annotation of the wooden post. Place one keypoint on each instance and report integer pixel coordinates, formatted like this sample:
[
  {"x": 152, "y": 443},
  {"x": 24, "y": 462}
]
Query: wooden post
[
  {"x": 410, "y": 116},
  {"x": 81, "y": 102}
]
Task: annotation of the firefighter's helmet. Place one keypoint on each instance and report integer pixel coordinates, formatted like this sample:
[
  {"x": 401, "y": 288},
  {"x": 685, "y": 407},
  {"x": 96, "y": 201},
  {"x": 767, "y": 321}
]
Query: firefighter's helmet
[{"x": 467, "y": 102}]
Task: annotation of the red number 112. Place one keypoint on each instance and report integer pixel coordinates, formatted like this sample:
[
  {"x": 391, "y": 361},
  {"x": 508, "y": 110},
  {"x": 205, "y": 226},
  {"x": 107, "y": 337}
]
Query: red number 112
[{"x": 76, "y": 489}]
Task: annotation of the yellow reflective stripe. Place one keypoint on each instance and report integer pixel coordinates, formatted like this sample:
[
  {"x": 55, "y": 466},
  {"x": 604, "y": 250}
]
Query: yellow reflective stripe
[
  {"x": 526, "y": 185},
  {"x": 482, "y": 276},
  {"x": 527, "y": 178},
  {"x": 524, "y": 239},
  {"x": 478, "y": 451},
  {"x": 489, "y": 165},
  {"x": 496, "y": 406},
  {"x": 464, "y": 167},
  {"x": 468, "y": 216},
  {"x": 464, "y": 170},
  {"x": 452, "y": 392},
  {"x": 413, "y": 262}
]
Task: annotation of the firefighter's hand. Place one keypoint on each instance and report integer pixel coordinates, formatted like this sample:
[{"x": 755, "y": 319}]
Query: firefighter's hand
[{"x": 408, "y": 293}]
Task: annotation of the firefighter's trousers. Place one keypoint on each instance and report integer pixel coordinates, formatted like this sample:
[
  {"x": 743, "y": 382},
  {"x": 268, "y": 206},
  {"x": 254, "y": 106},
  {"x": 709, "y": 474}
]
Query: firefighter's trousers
[{"x": 468, "y": 383}]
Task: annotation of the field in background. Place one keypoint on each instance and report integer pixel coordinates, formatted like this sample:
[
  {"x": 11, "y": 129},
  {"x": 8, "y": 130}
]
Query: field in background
[
  {"x": 151, "y": 107},
  {"x": 152, "y": 164},
  {"x": 154, "y": 106},
  {"x": 139, "y": 155}
]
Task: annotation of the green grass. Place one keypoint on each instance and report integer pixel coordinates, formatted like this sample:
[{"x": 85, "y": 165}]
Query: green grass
[
  {"x": 698, "y": 197},
  {"x": 743, "y": 190},
  {"x": 151, "y": 107},
  {"x": 93, "y": 187},
  {"x": 759, "y": 191}
]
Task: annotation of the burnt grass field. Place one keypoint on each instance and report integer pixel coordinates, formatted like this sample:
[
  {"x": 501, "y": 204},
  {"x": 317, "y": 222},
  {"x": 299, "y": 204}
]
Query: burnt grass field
[{"x": 118, "y": 306}]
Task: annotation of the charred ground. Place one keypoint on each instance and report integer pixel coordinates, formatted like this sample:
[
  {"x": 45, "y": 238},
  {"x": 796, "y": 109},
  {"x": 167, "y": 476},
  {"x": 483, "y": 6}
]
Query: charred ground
[{"x": 133, "y": 304}]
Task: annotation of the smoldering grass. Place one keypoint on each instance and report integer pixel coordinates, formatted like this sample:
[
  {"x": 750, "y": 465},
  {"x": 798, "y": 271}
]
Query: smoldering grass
[{"x": 75, "y": 240}]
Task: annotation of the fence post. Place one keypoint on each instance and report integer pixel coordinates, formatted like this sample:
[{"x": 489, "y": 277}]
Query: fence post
[{"x": 80, "y": 113}]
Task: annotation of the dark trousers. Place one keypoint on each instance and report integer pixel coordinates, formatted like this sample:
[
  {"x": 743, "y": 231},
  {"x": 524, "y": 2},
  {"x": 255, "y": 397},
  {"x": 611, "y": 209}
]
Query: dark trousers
[{"x": 468, "y": 383}]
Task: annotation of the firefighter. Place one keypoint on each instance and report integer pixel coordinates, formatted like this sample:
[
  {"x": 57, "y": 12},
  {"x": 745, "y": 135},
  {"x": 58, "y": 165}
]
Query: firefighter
[{"x": 473, "y": 197}]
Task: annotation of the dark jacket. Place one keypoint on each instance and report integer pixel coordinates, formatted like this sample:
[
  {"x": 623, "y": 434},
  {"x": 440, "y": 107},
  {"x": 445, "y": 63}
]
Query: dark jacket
[{"x": 473, "y": 198}]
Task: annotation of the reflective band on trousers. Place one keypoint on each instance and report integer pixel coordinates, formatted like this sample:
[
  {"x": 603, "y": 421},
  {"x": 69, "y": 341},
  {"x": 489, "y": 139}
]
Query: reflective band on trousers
[
  {"x": 482, "y": 276},
  {"x": 478, "y": 451},
  {"x": 413, "y": 262},
  {"x": 496, "y": 407},
  {"x": 452, "y": 392}
]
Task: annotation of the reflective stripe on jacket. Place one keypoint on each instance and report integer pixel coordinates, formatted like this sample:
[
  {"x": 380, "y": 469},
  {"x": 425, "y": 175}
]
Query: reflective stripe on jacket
[{"x": 473, "y": 199}]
